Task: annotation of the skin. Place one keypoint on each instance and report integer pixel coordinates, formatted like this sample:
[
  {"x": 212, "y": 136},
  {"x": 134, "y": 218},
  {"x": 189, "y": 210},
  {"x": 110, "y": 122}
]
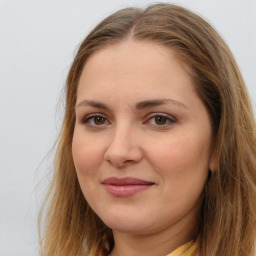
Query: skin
[{"x": 167, "y": 143}]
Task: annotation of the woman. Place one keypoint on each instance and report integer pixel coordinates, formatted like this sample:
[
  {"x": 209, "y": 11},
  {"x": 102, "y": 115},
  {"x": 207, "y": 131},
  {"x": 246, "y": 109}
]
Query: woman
[{"x": 156, "y": 155}]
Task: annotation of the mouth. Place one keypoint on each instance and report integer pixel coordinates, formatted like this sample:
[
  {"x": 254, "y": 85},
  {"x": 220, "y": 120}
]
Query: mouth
[{"x": 125, "y": 187}]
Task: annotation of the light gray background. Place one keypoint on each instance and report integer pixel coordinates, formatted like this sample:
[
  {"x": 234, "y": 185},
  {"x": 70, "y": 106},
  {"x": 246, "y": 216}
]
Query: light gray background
[{"x": 37, "y": 43}]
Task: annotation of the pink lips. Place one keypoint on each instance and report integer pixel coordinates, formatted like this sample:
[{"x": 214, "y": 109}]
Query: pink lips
[{"x": 124, "y": 187}]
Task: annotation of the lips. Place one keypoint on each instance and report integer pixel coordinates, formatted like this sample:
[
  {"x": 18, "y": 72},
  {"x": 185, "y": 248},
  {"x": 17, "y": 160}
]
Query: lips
[{"x": 124, "y": 187}]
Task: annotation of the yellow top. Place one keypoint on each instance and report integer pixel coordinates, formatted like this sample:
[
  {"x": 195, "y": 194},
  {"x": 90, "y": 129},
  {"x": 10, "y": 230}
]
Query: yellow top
[{"x": 188, "y": 249}]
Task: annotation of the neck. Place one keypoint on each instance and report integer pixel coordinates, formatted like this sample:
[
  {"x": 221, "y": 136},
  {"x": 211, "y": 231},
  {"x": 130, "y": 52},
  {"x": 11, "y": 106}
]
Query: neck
[{"x": 155, "y": 244}]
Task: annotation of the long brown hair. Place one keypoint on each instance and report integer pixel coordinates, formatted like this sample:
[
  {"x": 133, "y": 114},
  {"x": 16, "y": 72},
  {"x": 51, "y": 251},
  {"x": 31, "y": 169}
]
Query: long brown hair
[{"x": 228, "y": 212}]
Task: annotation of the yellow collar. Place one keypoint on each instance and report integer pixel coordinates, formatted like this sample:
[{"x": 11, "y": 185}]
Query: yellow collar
[{"x": 187, "y": 249}]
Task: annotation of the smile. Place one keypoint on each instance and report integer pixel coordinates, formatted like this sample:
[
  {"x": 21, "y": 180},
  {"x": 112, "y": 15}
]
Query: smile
[{"x": 125, "y": 187}]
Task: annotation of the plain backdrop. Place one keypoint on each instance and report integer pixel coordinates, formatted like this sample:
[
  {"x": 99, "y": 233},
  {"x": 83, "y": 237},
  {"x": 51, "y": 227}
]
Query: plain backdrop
[{"x": 38, "y": 39}]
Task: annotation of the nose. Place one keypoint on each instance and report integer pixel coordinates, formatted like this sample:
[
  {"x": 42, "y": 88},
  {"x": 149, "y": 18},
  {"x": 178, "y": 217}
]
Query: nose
[{"x": 124, "y": 148}]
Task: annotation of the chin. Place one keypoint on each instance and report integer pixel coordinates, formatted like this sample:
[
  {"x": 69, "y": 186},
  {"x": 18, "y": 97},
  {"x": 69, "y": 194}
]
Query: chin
[
  {"x": 126, "y": 223},
  {"x": 128, "y": 228}
]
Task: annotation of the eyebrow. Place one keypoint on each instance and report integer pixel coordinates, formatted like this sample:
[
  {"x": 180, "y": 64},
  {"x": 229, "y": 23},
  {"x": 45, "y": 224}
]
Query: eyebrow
[
  {"x": 158, "y": 102},
  {"x": 92, "y": 103},
  {"x": 139, "y": 105}
]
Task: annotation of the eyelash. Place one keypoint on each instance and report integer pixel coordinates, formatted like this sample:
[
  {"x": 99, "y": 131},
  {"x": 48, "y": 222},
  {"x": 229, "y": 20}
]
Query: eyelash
[
  {"x": 168, "y": 120},
  {"x": 92, "y": 117},
  {"x": 165, "y": 118}
]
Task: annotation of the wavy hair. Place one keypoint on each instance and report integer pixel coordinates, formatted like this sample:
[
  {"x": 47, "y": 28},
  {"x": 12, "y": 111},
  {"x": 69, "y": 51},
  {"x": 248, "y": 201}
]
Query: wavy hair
[{"x": 228, "y": 212}]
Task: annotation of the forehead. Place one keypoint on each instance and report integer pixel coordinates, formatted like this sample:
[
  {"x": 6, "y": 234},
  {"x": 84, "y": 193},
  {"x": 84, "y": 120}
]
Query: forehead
[{"x": 140, "y": 61}]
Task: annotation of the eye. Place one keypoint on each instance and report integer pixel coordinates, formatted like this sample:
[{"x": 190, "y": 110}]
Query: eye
[
  {"x": 95, "y": 120},
  {"x": 161, "y": 120}
]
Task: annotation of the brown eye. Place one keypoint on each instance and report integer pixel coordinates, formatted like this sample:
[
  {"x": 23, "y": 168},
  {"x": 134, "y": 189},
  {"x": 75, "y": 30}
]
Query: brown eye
[
  {"x": 99, "y": 120},
  {"x": 95, "y": 120},
  {"x": 160, "y": 120}
]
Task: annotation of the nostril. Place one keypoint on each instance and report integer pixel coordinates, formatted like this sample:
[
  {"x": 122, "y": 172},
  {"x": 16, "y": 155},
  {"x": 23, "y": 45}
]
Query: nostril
[{"x": 123, "y": 158}]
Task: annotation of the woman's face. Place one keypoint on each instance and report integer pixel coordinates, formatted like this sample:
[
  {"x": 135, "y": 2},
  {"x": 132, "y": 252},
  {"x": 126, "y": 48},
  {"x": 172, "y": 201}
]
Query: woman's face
[{"x": 142, "y": 139}]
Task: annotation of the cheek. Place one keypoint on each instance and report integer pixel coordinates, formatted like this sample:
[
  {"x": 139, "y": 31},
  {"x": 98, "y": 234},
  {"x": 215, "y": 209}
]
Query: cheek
[
  {"x": 87, "y": 159},
  {"x": 181, "y": 156},
  {"x": 182, "y": 165},
  {"x": 87, "y": 155}
]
